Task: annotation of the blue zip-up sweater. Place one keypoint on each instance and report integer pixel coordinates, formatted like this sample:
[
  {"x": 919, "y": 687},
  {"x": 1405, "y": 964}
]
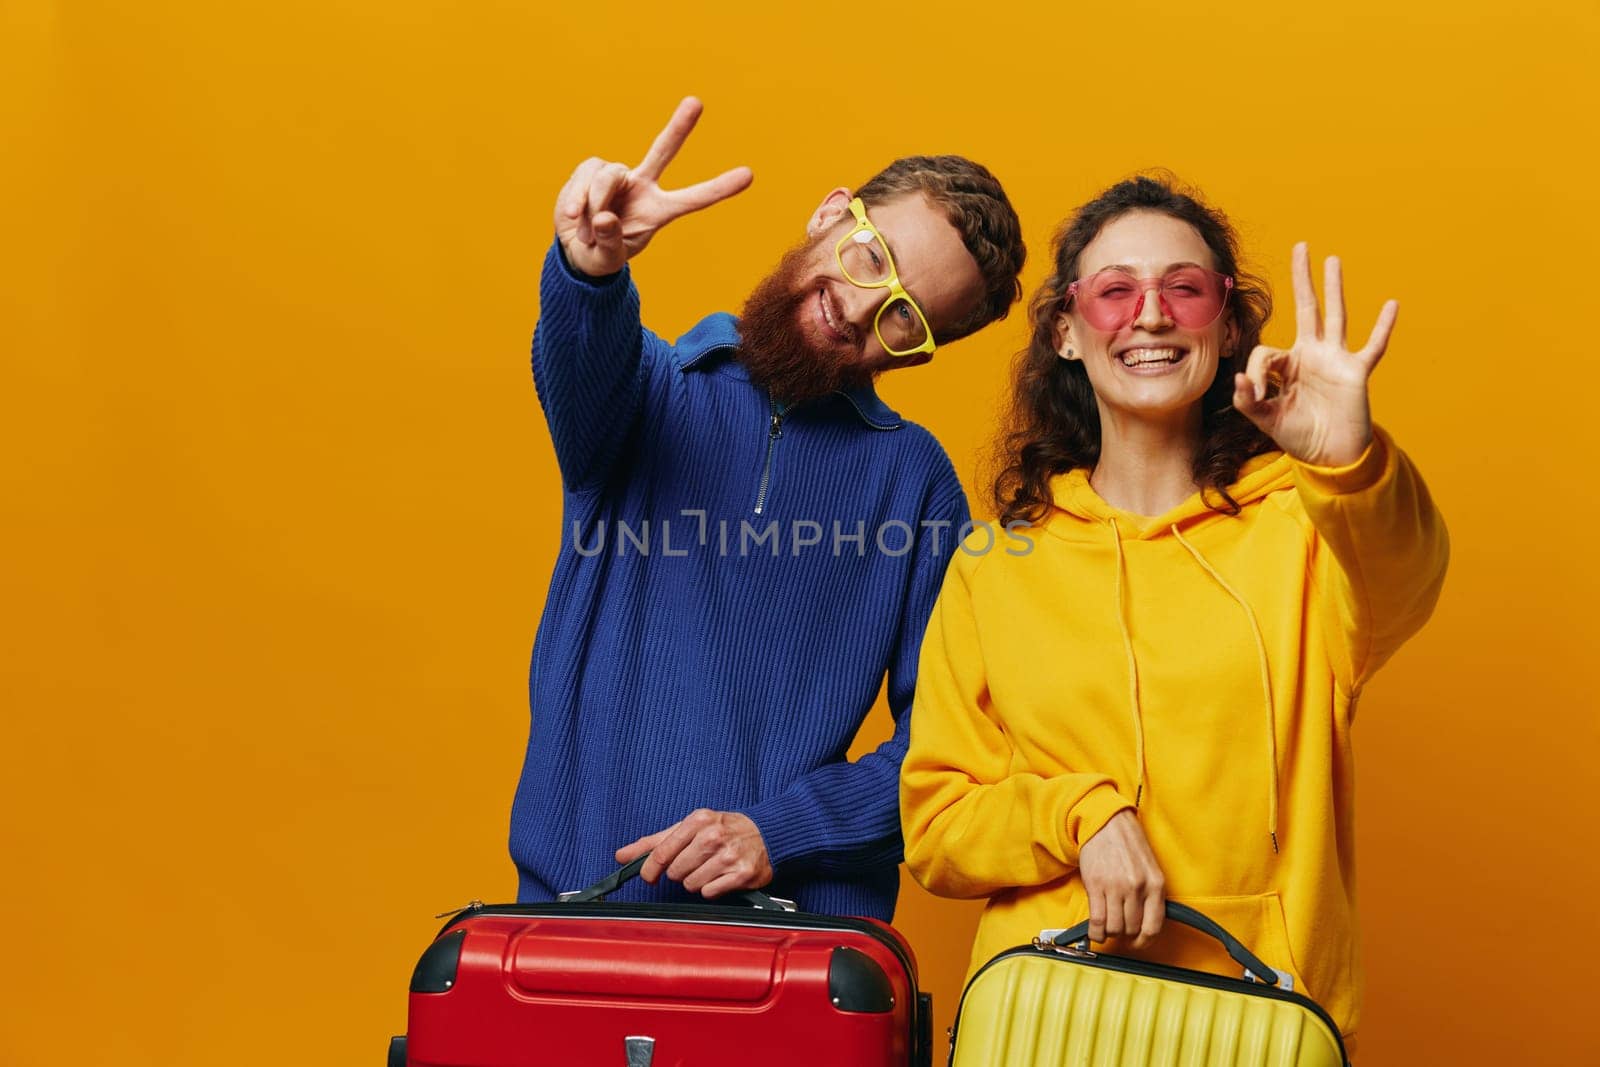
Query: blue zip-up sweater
[{"x": 734, "y": 583}]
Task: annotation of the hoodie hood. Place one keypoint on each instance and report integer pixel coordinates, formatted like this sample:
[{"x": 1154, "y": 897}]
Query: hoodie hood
[{"x": 1076, "y": 502}]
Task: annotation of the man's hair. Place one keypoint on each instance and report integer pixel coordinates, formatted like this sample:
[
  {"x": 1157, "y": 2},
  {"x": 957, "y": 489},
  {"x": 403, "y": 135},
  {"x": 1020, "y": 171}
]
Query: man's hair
[{"x": 976, "y": 206}]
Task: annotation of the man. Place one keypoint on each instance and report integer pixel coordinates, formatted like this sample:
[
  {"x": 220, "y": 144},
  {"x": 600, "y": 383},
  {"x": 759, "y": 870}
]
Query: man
[{"x": 751, "y": 538}]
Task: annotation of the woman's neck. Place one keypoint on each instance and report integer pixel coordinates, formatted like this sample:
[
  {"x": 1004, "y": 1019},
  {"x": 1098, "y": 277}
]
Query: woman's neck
[{"x": 1146, "y": 466}]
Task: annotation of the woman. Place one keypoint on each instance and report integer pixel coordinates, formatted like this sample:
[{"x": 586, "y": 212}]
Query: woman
[{"x": 1155, "y": 699}]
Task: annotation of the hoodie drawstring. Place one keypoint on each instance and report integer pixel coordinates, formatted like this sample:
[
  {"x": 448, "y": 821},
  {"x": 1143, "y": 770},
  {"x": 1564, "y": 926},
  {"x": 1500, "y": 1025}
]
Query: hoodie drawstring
[
  {"x": 1266, "y": 681},
  {"x": 1133, "y": 669}
]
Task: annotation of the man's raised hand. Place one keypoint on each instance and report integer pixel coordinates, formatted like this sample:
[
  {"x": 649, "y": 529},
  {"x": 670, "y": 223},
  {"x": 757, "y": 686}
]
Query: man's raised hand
[{"x": 607, "y": 213}]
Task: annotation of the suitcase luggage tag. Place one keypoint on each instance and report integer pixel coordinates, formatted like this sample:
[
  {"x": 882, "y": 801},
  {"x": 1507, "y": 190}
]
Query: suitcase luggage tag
[
  {"x": 613, "y": 881},
  {"x": 1074, "y": 941}
]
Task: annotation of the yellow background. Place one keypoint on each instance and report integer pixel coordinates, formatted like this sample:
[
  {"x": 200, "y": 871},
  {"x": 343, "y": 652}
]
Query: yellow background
[{"x": 279, "y": 509}]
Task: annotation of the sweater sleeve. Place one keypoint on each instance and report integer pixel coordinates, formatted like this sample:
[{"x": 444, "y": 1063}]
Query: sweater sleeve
[
  {"x": 1387, "y": 551},
  {"x": 974, "y": 822},
  {"x": 844, "y": 816},
  {"x": 588, "y": 366}
]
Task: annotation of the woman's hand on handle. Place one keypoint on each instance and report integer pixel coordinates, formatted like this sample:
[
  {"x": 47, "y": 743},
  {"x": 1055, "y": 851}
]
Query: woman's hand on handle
[
  {"x": 1127, "y": 891},
  {"x": 607, "y": 212},
  {"x": 1319, "y": 414}
]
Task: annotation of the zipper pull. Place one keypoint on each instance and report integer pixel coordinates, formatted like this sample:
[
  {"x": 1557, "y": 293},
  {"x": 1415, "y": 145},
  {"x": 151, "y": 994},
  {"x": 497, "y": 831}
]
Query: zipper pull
[
  {"x": 777, "y": 425},
  {"x": 473, "y": 905}
]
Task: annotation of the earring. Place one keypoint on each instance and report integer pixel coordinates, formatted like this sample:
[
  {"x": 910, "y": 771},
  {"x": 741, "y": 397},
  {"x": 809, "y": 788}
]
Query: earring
[{"x": 1069, "y": 353}]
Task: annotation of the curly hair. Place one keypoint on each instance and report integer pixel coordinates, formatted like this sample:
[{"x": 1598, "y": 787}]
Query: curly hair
[
  {"x": 976, "y": 205},
  {"x": 1053, "y": 423}
]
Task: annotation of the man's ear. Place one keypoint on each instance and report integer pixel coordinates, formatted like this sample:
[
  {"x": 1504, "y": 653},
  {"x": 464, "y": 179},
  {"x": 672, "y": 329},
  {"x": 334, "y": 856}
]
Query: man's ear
[{"x": 833, "y": 206}]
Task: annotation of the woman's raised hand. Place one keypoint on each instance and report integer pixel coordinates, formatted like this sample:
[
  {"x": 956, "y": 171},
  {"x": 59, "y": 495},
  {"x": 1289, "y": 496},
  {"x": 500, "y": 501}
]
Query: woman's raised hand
[
  {"x": 607, "y": 213},
  {"x": 1319, "y": 413}
]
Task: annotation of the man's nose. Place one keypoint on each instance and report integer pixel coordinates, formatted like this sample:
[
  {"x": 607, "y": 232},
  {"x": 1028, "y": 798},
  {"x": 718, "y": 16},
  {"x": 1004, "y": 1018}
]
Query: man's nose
[
  {"x": 861, "y": 306},
  {"x": 1152, "y": 309}
]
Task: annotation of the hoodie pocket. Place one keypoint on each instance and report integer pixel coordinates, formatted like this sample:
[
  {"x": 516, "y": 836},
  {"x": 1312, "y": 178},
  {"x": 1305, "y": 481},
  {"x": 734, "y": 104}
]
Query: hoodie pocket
[{"x": 1255, "y": 921}]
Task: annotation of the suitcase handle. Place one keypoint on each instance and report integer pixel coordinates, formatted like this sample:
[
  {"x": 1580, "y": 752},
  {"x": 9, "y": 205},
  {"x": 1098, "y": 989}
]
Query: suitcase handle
[
  {"x": 613, "y": 881},
  {"x": 1253, "y": 967}
]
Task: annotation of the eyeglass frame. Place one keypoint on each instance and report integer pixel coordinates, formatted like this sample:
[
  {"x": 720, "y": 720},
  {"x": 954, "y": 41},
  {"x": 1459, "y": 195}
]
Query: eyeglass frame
[
  {"x": 1146, "y": 284},
  {"x": 891, "y": 283}
]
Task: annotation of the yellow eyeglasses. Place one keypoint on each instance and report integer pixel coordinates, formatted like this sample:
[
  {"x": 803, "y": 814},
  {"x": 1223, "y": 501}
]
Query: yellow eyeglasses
[{"x": 865, "y": 262}]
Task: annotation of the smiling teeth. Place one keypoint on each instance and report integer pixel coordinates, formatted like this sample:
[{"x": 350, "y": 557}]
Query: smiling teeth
[
  {"x": 1138, "y": 357},
  {"x": 827, "y": 312}
]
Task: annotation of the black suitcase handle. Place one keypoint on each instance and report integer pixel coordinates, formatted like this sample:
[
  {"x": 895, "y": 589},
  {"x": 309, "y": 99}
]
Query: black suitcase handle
[
  {"x": 1254, "y": 968},
  {"x": 626, "y": 873}
]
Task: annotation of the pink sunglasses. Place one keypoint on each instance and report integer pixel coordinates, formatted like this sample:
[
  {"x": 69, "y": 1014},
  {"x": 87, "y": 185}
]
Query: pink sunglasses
[{"x": 1191, "y": 297}]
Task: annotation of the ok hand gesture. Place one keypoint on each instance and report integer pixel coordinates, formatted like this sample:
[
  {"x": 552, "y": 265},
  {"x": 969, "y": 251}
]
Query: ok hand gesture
[
  {"x": 1320, "y": 413},
  {"x": 607, "y": 213}
]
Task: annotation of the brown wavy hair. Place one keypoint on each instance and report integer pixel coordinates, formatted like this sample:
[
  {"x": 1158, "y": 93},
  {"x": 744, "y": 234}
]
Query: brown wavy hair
[
  {"x": 1053, "y": 423},
  {"x": 976, "y": 205}
]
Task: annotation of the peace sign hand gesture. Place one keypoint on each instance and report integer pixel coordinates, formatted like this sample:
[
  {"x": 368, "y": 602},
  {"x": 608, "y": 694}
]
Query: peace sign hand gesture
[
  {"x": 607, "y": 213},
  {"x": 1320, "y": 414}
]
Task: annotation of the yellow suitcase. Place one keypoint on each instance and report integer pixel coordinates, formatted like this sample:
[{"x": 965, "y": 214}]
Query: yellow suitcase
[{"x": 1055, "y": 1003}]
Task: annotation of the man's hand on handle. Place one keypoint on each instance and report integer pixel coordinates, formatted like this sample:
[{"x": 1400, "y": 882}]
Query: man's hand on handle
[
  {"x": 709, "y": 852},
  {"x": 607, "y": 213}
]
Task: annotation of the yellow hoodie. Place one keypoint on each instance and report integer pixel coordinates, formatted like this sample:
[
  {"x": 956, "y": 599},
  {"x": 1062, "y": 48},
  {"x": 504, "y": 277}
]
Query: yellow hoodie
[{"x": 1201, "y": 667}]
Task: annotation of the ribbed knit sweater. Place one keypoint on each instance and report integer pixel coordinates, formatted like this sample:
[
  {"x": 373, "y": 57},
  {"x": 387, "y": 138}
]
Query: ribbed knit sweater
[{"x": 735, "y": 581}]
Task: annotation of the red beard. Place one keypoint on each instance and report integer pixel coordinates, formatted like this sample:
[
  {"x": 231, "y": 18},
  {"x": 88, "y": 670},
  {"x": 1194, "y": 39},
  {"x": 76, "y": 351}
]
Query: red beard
[{"x": 777, "y": 352}]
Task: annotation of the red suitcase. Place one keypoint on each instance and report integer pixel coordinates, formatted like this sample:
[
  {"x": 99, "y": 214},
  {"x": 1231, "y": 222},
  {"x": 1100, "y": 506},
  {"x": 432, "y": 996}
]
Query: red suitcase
[{"x": 585, "y": 982}]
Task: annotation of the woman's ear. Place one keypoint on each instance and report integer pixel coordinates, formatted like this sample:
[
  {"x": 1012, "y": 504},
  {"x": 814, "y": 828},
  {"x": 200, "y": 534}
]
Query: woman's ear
[
  {"x": 1065, "y": 347},
  {"x": 833, "y": 206}
]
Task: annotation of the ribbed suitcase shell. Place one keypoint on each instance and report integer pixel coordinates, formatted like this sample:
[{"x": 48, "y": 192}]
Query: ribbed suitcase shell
[{"x": 1051, "y": 1009}]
